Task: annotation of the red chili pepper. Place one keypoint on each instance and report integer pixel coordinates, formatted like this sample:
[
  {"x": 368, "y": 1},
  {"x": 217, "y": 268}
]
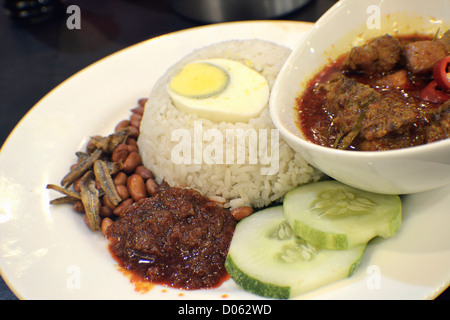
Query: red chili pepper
[
  {"x": 440, "y": 74},
  {"x": 432, "y": 93}
]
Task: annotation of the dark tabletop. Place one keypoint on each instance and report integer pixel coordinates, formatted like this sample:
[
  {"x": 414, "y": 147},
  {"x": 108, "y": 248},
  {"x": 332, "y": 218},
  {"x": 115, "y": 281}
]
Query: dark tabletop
[{"x": 35, "y": 58}]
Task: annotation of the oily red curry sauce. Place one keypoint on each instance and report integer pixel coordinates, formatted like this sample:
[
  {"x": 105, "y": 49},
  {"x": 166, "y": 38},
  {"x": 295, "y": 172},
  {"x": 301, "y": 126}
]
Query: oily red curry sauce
[
  {"x": 316, "y": 122},
  {"x": 177, "y": 238}
]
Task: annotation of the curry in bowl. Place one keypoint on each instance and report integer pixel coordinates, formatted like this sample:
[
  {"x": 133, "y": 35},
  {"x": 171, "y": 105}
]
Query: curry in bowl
[{"x": 390, "y": 93}]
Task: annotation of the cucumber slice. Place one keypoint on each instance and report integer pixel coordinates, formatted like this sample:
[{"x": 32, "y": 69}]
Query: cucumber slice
[
  {"x": 267, "y": 259},
  {"x": 332, "y": 215}
]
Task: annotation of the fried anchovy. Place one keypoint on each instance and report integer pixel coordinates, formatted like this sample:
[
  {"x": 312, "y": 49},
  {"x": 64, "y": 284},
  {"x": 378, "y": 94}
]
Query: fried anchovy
[
  {"x": 113, "y": 167},
  {"x": 91, "y": 200},
  {"x": 81, "y": 168},
  {"x": 67, "y": 192},
  {"x": 109, "y": 143},
  {"x": 64, "y": 200},
  {"x": 82, "y": 156},
  {"x": 103, "y": 175}
]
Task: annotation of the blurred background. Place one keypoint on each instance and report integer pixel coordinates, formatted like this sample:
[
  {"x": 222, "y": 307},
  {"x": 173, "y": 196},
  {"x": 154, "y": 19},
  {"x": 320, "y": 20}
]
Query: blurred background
[{"x": 38, "y": 51}]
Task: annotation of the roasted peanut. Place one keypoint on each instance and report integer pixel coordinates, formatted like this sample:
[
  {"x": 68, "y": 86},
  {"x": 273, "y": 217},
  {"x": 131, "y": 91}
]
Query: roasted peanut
[
  {"x": 131, "y": 142},
  {"x": 151, "y": 186},
  {"x": 120, "y": 153},
  {"x": 132, "y": 148},
  {"x": 123, "y": 192},
  {"x": 144, "y": 172},
  {"x": 106, "y": 223},
  {"x": 76, "y": 185},
  {"x": 136, "y": 187},
  {"x": 78, "y": 206},
  {"x": 122, "y": 124},
  {"x": 106, "y": 212},
  {"x": 119, "y": 210},
  {"x": 241, "y": 212},
  {"x": 138, "y": 110},
  {"x": 107, "y": 202},
  {"x": 135, "y": 120},
  {"x": 142, "y": 102},
  {"x": 134, "y": 132},
  {"x": 120, "y": 178},
  {"x": 131, "y": 162}
]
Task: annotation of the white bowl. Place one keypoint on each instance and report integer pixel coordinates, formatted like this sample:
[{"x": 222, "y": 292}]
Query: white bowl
[{"x": 346, "y": 24}]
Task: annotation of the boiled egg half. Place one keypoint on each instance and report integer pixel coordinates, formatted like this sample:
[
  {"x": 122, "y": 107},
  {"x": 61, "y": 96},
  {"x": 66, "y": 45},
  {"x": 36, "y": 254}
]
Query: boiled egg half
[{"x": 219, "y": 90}]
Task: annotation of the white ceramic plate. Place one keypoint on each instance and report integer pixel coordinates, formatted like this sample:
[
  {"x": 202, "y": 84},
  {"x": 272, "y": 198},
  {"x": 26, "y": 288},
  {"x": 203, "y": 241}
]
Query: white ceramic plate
[{"x": 47, "y": 252}]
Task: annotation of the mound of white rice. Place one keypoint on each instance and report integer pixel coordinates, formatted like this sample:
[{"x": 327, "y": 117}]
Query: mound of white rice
[{"x": 236, "y": 183}]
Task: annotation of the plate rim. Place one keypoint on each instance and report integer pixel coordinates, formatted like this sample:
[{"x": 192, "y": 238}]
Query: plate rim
[{"x": 6, "y": 278}]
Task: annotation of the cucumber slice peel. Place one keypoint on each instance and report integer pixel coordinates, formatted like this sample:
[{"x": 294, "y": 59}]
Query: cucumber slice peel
[
  {"x": 254, "y": 285},
  {"x": 267, "y": 259},
  {"x": 335, "y": 216}
]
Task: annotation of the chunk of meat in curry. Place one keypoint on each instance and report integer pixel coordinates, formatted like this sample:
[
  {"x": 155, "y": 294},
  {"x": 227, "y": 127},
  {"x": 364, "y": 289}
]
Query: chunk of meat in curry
[
  {"x": 369, "y": 99},
  {"x": 379, "y": 55}
]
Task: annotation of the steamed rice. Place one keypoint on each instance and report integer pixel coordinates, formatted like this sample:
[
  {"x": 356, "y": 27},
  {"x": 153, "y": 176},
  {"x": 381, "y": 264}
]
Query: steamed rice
[{"x": 237, "y": 184}]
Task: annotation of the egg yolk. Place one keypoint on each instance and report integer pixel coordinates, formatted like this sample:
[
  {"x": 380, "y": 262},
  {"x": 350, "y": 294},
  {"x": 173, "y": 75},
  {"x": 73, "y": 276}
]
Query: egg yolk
[
  {"x": 200, "y": 80},
  {"x": 219, "y": 90}
]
